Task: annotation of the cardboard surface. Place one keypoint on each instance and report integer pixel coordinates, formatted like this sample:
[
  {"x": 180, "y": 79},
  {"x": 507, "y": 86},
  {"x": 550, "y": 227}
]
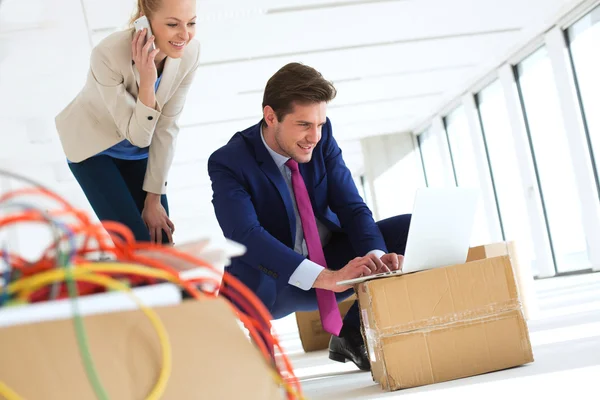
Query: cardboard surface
[
  {"x": 490, "y": 251},
  {"x": 312, "y": 335},
  {"x": 443, "y": 324},
  {"x": 207, "y": 344},
  {"x": 521, "y": 268}
]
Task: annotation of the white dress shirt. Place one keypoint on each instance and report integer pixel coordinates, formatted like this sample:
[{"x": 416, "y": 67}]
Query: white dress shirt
[{"x": 305, "y": 275}]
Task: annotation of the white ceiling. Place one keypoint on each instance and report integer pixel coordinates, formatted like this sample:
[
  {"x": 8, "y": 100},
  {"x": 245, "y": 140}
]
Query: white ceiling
[{"x": 394, "y": 63}]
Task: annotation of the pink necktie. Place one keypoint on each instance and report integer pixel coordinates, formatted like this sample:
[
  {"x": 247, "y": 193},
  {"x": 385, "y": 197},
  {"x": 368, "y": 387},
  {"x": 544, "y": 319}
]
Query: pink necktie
[{"x": 328, "y": 308}]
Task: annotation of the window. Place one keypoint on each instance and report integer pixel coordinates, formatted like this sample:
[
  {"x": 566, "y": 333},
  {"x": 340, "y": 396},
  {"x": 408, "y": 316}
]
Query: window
[
  {"x": 397, "y": 172},
  {"x": 584, "y": 42},
  {"x": 435, "y": 153},
  {"x": 505, "y": 170},
  {"x": 554, "y": 168},
  {"x": 361, "y": 186},
  {"x": 467, "y": 171}
]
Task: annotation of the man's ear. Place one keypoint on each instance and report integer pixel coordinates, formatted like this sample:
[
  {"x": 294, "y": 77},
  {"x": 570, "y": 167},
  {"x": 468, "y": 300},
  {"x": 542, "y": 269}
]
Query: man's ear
[{"x": 269, "y": 116}]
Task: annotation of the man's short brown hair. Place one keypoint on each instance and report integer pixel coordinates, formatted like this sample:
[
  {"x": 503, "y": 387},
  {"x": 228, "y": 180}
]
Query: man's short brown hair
[{"x": 299, "y": 83}]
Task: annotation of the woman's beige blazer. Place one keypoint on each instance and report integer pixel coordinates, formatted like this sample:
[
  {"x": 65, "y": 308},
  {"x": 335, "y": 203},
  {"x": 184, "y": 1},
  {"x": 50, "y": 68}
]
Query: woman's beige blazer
[{"x": 107, "y": 110}]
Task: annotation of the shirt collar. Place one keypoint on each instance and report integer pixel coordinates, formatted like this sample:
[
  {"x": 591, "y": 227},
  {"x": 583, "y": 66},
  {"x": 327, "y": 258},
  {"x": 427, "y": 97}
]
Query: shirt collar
[{"x": 278, "y": 158}]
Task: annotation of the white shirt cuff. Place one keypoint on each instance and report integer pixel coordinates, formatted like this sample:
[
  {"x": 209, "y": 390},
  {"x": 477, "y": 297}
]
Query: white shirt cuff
[
  {"x": 305, "y": 275},
  {"x": 377, "y": 252}
]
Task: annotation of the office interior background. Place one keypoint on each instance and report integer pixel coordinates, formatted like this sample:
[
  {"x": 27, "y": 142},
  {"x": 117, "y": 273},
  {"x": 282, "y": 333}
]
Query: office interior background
[{"x": 503, "y": 96}]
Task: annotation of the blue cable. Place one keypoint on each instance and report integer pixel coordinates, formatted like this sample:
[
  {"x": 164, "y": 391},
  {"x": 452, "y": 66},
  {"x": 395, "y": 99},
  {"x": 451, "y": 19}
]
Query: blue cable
[
  {"x": 61, "y": 261},
  {"x": 6, "y": 276}
]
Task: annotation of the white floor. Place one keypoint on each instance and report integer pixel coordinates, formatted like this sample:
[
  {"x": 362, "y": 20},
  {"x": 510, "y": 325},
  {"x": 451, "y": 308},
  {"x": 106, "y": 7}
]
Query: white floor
[{"x": 566, "y": 345}]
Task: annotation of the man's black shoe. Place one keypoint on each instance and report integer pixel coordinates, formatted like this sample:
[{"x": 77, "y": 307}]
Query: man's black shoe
[{"x": 349, "y": 346}]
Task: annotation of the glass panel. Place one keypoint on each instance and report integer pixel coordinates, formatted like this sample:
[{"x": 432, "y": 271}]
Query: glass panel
[
  {"x": 405, "y": 171},
  {"x": 555, "y": 170},
  {"x": 584, "y": 41},
  {"x": 465, "y": 166},
  {"x": 505, "y": 170},
  {"x": 359, "y": 181},
  {"x": 438, "y": 174}
]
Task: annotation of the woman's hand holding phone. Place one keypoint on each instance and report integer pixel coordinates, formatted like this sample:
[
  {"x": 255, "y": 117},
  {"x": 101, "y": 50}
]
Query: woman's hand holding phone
[{"x": 144, "y": 61}]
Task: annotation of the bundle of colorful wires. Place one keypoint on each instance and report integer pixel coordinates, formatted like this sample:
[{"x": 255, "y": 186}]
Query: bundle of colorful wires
[{"x": 76, "y": 275}]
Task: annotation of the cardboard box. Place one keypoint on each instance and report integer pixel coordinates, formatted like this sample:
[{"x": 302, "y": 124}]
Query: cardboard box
[
  {"x": 443, "y": 324},
  {"x": 491, "y": 250},
  {"x": 521, "y": 268},
  {"x": 312, "y": 335},
  {"x": 209, "y": 352}
]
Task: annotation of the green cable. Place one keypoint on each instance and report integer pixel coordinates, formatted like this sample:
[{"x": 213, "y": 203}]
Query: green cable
[{"x": 82, "y": 339}]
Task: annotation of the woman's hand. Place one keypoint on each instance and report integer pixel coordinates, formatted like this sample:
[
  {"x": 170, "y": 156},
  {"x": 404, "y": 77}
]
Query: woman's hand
[
  {"x": 144, "y": 62},
  {"x": 156, "y": 219}
]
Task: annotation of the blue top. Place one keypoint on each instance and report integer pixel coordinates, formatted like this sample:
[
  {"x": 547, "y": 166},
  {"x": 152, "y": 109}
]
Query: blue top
[{"x": 124, "y": 150}]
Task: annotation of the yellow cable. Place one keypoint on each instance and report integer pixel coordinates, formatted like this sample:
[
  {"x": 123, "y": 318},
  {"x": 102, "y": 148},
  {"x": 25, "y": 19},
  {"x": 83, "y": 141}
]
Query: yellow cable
[
  {"x": 26, "y": 286},
  {"x": 7, "y": 393},
  {"x": 288, "y": 388},
  {"x": 30, "y": 284},
  {"x": 161, "y": 331},
  {"x": 87, "y": 276}
]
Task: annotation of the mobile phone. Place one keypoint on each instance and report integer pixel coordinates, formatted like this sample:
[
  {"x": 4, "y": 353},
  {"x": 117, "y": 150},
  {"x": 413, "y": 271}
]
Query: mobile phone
[{"x": 142, "y": 23}]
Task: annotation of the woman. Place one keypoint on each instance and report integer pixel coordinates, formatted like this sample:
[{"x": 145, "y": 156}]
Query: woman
[{"x": 119, "y": 132}]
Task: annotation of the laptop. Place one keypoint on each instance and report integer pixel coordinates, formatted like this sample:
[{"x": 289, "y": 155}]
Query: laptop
[{"x": 440, "y": 231}]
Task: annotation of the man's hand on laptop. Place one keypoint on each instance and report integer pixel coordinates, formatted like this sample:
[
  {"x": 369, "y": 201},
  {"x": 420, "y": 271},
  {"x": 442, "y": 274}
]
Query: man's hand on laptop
[
  {"x": 392, "y": 261},
  {"x": 360, "y": 266}
]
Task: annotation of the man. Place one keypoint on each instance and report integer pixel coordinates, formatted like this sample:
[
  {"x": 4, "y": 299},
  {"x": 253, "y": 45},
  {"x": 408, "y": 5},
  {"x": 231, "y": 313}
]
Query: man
[{"x": 282, "y": 189}]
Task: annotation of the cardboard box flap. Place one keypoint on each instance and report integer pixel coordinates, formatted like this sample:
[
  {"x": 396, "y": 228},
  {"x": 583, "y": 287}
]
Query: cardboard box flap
[
  {"x": 442, "y": 295},
  {"x": 491, "y": 250},
  {"x": 464, "y": 349}
]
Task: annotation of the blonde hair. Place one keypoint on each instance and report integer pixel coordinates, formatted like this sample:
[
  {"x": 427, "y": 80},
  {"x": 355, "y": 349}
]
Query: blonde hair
[{"x": 144, "y": 7}]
